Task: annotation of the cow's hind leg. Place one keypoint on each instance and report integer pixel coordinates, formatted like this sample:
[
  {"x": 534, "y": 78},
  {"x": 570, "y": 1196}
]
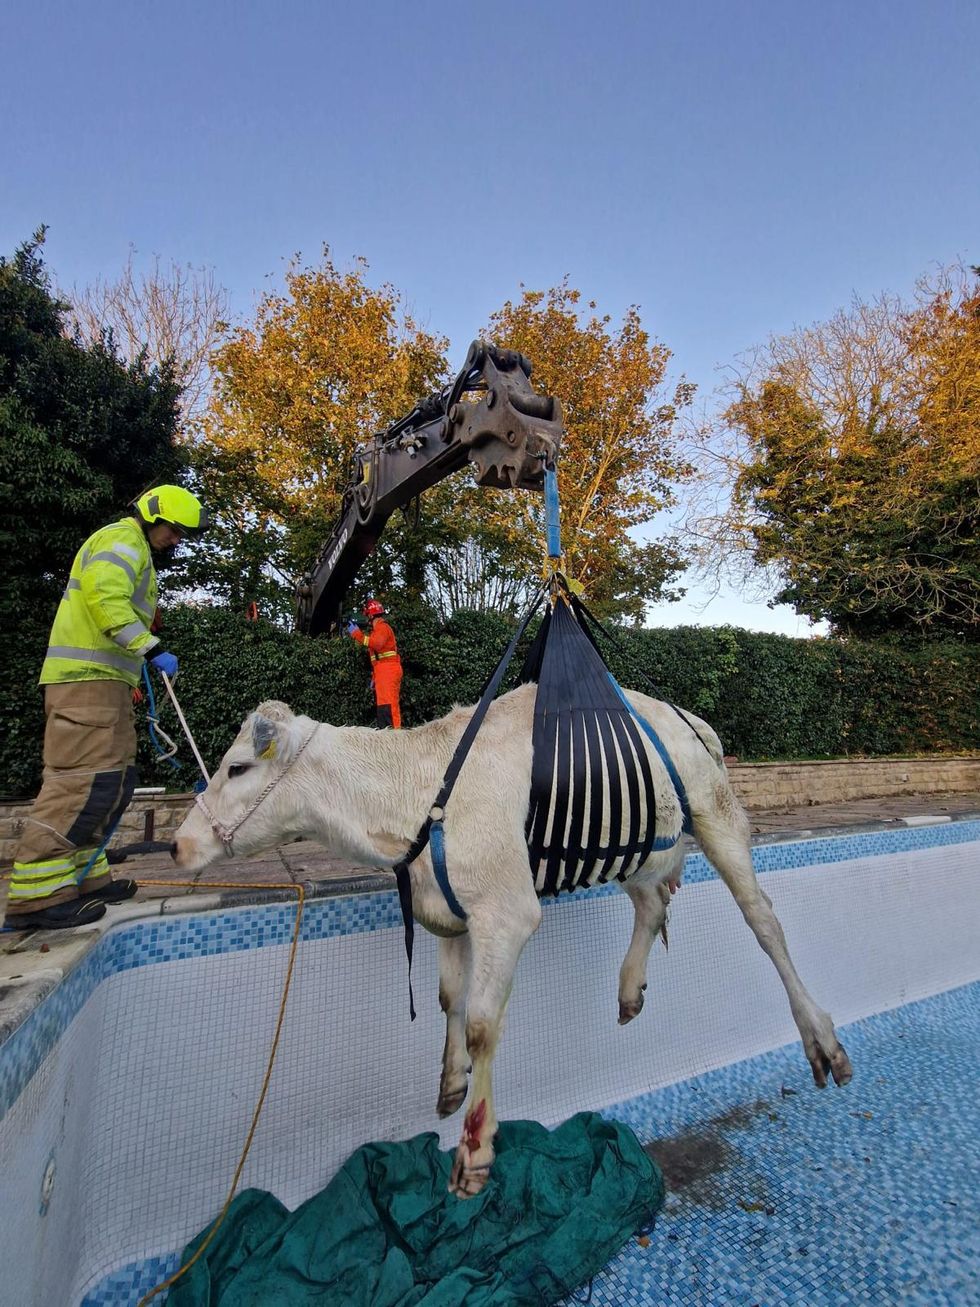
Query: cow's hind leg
[
  {"x": 724, "y": 835},
  {"x": 650, "y": 896},
  {"x": 495, "y": 947},
  {"x": 454, "y": 958}
]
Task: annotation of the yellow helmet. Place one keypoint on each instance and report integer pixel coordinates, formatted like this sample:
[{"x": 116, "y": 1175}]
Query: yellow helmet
[{"x": 175, "y": 506}]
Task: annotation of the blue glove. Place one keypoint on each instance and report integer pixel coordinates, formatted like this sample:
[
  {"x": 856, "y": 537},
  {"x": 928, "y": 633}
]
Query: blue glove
[
  {"x": 351, "y": 628},
  {"x": 165, "y": 662}
]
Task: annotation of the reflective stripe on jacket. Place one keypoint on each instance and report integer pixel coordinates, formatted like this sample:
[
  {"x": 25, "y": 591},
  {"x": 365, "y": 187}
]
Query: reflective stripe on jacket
[
  {"x": 102, "y": 628},
  {"x": 381, "y": 641}
]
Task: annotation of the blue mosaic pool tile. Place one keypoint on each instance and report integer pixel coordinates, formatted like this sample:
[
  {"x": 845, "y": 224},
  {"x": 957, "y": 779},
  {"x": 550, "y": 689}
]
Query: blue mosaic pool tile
[
  {"x": 30, "y": 1044},
  {"x": 861, "y": 1195},
  {"x": 819, "y": 1199},
  {"x": 127, "y": 1285},
  {"x": 195, "y": 935}
]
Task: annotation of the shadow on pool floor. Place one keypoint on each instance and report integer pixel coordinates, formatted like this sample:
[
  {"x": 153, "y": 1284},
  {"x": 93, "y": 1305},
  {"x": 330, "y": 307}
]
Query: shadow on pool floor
[{"x": 782, "y": 1193}]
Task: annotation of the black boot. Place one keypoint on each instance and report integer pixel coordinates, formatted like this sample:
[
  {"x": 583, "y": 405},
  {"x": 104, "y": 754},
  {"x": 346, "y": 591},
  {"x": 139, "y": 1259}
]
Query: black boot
[
  {"x": 60, "y": 916},
  {"x": 116, "y": 891}
]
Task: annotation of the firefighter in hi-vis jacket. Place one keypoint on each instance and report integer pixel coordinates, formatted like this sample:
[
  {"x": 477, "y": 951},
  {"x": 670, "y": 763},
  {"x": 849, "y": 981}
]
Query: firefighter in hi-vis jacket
[
  {"x": 386, "y": 666},
  {"x": 100, "y": 638}
]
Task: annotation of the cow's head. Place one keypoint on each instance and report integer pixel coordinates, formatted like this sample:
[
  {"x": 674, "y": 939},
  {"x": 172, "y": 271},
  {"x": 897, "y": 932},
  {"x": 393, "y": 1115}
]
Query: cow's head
[{"x": 239, "y": 811}]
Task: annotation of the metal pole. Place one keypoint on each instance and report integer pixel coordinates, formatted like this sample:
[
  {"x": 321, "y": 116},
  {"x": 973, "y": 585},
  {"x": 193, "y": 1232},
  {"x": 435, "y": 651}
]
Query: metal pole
[{"x": 187, "y": 730}]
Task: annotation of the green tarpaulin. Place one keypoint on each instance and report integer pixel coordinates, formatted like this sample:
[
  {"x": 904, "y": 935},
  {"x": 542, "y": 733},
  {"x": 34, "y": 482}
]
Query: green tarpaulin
[{"x": 386, "y": 1233}]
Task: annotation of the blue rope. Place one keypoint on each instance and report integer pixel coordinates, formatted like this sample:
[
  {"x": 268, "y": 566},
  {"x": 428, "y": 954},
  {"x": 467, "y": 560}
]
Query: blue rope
[
  {"x": 101, "y": 849},
  {"x": 151, "y": 718}
]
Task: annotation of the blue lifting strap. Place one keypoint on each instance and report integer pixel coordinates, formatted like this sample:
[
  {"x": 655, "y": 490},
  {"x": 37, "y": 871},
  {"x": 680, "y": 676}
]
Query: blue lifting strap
[
  {"x": 437, "y": 851},
  {"x": 665, "y": 758},
  {"x": 551, "y": 512},
  {"x": 431, "y": 831}
]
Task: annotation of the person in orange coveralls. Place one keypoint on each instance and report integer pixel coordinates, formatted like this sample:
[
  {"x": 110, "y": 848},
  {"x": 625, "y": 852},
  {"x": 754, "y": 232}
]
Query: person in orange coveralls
[{"x": 386, "y": 666}]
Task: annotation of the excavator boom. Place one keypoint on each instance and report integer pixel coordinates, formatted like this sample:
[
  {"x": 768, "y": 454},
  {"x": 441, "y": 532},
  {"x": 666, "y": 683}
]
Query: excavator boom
[{"x": 489, "y": 416}]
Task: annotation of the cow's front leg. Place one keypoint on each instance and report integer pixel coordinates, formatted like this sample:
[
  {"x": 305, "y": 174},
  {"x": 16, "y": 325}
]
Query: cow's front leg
[
  {"x": 650, "y": 897},
  {"x": 454, "y": 957},
  {"x": 494, "y": 950}
]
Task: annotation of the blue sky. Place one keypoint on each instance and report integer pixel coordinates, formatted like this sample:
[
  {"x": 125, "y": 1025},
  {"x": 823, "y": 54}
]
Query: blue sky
[{"x": 733, "y": 168}]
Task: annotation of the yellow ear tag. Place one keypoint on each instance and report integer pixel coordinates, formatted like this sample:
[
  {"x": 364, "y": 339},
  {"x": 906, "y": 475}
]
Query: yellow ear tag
[{"x": 269, "y": 752}]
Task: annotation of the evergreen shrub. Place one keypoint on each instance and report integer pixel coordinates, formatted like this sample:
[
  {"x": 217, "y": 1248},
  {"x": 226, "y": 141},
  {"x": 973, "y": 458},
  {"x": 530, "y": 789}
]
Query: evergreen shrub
[{"x": 769, "y": 696}]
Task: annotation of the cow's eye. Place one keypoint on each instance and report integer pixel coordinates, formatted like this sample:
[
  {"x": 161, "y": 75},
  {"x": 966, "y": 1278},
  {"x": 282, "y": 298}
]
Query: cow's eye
[{"x": 236, "y": 768}]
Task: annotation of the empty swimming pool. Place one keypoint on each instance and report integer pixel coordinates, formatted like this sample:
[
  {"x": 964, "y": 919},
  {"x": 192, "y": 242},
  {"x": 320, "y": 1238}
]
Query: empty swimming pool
[{"x": 126, "y": 1094}]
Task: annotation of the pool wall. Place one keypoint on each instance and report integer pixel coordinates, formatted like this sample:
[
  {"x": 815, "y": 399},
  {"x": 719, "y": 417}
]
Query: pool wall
[{"x": 126, "y": 1095}]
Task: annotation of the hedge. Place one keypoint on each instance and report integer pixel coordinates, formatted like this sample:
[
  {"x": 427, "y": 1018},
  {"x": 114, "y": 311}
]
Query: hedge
[{"x": 768, "y": 696}]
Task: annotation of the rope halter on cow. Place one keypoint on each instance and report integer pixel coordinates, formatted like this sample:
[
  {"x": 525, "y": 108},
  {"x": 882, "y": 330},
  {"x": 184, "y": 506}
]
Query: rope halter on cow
[{"x": 226, "y": 834}]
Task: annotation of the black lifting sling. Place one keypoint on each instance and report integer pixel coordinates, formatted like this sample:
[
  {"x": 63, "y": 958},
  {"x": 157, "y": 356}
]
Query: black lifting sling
[
  {"x": 590, "y": 771},
  {"x": 593, "y": 810}
]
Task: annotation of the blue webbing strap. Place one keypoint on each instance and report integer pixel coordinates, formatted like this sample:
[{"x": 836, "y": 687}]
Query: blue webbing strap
[
  {"x": 667, "y": 761},
  {"x": 552, "y": 519},
  {"x": 437, "y": 849},
  {"x": 431, "y": 830},
  {"x": 579, "y": 607}
]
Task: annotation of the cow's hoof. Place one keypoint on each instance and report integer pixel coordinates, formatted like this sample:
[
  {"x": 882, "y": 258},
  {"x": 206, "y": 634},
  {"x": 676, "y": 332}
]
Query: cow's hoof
[
  {"x": 451, "y": 1100},
  {"x": 630, "y": 1008},
  {"x": 471, "y": 1171},
  {"x": 836, "y": 1062}
]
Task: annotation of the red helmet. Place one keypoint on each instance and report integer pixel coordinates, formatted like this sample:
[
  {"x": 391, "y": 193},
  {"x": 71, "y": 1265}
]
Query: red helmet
[{"x": 373, "y": 609}]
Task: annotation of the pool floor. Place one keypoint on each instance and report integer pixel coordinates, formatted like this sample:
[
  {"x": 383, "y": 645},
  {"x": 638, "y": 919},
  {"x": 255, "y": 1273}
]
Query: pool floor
[{"x": 782, "y": 1193}]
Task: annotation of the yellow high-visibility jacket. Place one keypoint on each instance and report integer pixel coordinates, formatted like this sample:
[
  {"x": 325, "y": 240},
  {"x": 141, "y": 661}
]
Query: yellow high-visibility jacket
[{"x": 102, "y": 627}]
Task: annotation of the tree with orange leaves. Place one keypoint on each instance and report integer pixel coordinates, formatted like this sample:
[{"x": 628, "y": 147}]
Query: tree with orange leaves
[
  {"x": 618, "y": 465},
  {"x": 327, "y": 361},
  {"x": 853, "y": 448}
]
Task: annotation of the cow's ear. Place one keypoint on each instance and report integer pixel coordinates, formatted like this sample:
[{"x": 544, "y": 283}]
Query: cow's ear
[{"x": 266, "y": 738}]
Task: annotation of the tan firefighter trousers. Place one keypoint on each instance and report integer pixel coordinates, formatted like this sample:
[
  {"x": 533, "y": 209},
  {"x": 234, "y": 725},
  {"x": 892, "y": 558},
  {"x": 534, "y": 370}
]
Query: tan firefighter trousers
[{"x": 89, "y": 777}]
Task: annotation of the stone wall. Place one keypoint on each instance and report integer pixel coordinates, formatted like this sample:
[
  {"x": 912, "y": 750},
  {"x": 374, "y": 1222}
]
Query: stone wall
[
  {"x": 760, "y": 785},
  {"x": 764, "y": 785},
  {"x": 148, "y": 817}
]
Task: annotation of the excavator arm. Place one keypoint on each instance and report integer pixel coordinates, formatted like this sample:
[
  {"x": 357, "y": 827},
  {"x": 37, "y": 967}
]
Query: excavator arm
[{"x": 489, "y": 416}]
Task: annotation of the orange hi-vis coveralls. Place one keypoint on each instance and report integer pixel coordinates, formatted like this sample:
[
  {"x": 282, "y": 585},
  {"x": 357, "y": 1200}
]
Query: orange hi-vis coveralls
[{"x": 386, "y": 670}]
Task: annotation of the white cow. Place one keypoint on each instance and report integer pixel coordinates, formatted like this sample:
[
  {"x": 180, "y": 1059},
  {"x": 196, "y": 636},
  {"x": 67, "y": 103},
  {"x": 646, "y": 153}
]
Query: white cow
[{"x": 363, "y": 794}]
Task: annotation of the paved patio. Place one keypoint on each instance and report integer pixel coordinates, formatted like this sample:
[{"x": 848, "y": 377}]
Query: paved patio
[{"x": 304, "y": 861}]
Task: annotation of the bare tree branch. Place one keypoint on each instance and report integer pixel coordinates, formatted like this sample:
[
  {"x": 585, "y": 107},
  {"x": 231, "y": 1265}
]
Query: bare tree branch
[{"x": 170, "y": 312}]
